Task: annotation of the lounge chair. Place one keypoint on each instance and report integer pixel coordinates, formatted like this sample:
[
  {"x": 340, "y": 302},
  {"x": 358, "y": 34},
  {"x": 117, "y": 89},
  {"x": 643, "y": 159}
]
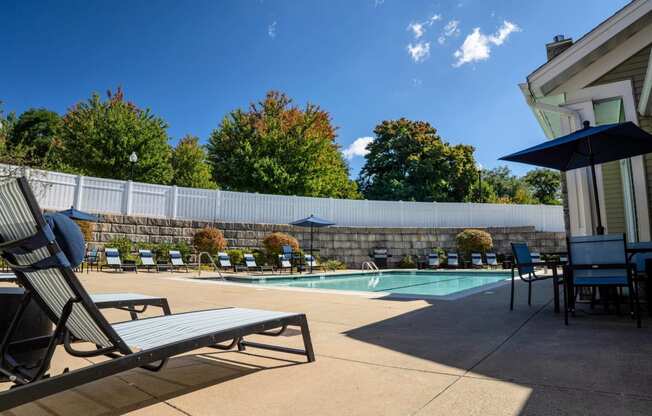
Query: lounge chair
[
  {"x": 112, "y": 257},
  {"x": 525, "y": 267},
  {"x": 476, "y": 260},
  {"x": 250, "y": 264},
  {"x": 224, "y": 261},
  {"x": 284, "y": 262},
  {"x": 492, "y": 261},
  {"x": 92, "y": 259},
  {"x": 452, "y": 260},
  {"x": 381, "y": 257},
  {"x": 29, "y": 246},
  {"x": 176, "y": 261},
  {"x": 599, "y": 261},
  {"x": 311, "y": 263},
  {"x": 433, "y": 261},
  {"x": 536, "y": 258},
  {"x": 147, "y": 259}
]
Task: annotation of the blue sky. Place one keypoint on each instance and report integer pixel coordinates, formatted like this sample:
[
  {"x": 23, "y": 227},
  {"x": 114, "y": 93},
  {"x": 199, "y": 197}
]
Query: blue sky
[{"x": 454, "y": 63}]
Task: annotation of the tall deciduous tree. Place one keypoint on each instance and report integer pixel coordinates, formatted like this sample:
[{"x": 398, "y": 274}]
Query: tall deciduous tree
[
  {"x": 409, "y": 161},
  {"x": 545, "y": 185},
  {"x": 36, "y": 134},
  {"x": 190, "y": 166},
  {"x": 276, "y": 147},
  {"x": 98, "y": 137}
]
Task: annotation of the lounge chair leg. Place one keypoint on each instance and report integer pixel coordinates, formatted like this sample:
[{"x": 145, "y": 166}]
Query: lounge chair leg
[
  {"x": 241, "y": 345},
  {"x": 634, "y": 293},
  {"x": 529, "y": 293},
  {"x": 307, "y": 342},
  {"x": 511, "y": 302},
  {"x": 565, "y": 300}
]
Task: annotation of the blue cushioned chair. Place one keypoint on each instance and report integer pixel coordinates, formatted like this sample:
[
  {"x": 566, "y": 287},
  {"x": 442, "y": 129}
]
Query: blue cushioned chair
[
  {"x": 599, "y": 261},
  {"x": 525, "y": 264}
]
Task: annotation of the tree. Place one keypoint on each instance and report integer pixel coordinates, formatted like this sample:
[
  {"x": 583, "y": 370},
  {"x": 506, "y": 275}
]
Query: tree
[
  {"x": 408, "y": 161},
  {"x": 502, "y": 181},
  {"x": 189, "y": 164},
  {"x": 545, "y": 185},
  {"x": 36, "y": 134},
  {"x": 98, "y": 137},
  {"x": 276, "y": 147}
]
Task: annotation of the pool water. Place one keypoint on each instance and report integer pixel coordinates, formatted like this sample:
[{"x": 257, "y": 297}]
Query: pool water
[{"x": 431, "y": 283}]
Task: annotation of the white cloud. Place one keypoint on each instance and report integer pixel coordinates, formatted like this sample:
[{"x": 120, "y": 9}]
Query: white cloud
[
  {"x": 378, "y": 3},
  {"x": 417, "y": 29},
  {"x": 416, "y": 82},
  {"x": 358, "y": 147},
  {"x": 434, "y": 18},
  {"x": 452, "y": 28},
  {"x": 441, "y": 40},
  {"x": 477, "y": 46},
  {"x": 419, "y": 52},
  {"x": 271, "y": 30}
]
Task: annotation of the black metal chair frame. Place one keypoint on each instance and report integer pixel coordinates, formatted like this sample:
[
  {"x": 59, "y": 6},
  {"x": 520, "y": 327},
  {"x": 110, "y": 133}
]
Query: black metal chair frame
[
  {"x": 33, "y": 383},
  {"x": 570, "y": 285}
]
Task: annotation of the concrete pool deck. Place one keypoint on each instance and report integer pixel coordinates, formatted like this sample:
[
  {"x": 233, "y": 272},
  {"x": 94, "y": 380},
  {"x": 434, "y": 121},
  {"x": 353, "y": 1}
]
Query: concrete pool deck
[{"x": 380, "y": 356}]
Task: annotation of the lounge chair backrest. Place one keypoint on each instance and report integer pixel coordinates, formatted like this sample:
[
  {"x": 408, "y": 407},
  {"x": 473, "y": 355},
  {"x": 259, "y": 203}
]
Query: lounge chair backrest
[
  {"x": 639, "y": 258},
  {"x": 284, "y": 260},
  {"x": 250, "y": 260},
  {"x": 112, "y": 256},
  {"x": 452, "y": 259},
  {"x": 491, "y": 259},
  {"x": 175, "y": 258},
  {"x": 536, "y": 257},
  {"x": 287, "y": 250},
  {"x": 146, "y": 257},
  {"x": 433, "y": 259},
  {"x": 52, "y": 280},
  {"x": 380, "y": 253},
  {"x": 224, "y": 259},
  {"x": 93, "y": 254},
  {"x": 310, "y": 260},
  {"x": 522, "y": 258},
  {"x": 476, "y": 259},
  {"x": 596, "y": 250}
]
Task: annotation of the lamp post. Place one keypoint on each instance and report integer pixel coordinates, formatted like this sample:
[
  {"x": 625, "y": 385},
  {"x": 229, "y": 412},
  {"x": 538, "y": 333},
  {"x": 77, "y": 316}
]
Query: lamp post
[
  {"x": 133, "y": 158},
  {"x": 479, "y": 167}
]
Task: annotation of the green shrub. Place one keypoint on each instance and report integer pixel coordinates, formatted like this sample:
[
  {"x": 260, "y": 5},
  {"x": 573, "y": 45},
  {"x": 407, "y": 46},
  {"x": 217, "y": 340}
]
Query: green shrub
[
  {"x": 124, "y": 246},
  {"x": 210, "y": 240},
  {"x": 274, "y": 243},
  {"x": 473, "y": 241},
  {"x": 332, "y": 265},
  {"x": 261, "y": 258},
  {"x": 236, "y": 255},
  {"x": 407, "y": 262},
  {"x": 441, "y": 253}
]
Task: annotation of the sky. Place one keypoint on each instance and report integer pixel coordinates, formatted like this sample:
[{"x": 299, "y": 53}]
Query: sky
[{"x": 456, "y": 64}]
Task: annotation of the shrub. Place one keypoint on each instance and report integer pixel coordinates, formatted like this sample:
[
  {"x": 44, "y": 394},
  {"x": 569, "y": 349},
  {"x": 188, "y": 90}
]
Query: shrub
[
  {"x": 332, "y": 265},
  {"x": 124, "y": 246},
  {"x": 260, "y": 257},
  {"x": 86, "y": 228},
  {"x": 210, "y": 240},
  {"x": 236, "y": 255},
  {"x": 471, "y": 240},
  {"x": 274, "y": 243},
  {"x": 441, "y": 253},
  {"x": 407, "y": 262}
]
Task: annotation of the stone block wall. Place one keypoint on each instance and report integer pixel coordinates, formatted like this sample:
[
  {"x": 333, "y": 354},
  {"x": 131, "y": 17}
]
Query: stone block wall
[{"x": 351, "y": 245}]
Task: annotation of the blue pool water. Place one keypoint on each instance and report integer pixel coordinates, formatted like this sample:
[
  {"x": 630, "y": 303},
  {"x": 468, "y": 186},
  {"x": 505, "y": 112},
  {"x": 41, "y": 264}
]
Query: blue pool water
[{"x": 429, "y": 283}]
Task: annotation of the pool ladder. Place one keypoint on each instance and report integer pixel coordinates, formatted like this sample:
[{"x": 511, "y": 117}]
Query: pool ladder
[
  {"x": 217, "y": 269},
  {"x": 370, "y": 265}
]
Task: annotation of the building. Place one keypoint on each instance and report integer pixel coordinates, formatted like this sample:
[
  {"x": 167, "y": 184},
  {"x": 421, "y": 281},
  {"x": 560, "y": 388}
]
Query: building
[{"x": 603, "y": 77}]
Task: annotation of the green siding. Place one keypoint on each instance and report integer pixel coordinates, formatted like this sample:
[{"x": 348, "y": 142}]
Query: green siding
[{"x": 613, "y": 197}]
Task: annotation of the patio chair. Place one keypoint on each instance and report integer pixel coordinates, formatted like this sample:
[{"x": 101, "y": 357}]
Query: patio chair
[
  {"x": 92, "y": 259},
  {"x": 250, "y": 264},
  {"x": 284, "y": 262},
  {"x": 599, "y": 261},
  {"x": 452, "y": 260},
  {"x": 177, "y": 263},
  {"x": 492, "y": 261},
  {"x": 147, "y": 259},
  {"x": 30, "y": 248},
  {"x": 433, "y": 261},
  {"x": 381, "y": 257},
  {"x": 641, "y": 260},
  {"x": 112, "y": 260},
  {"x": 224, "y": 261},
  {"x": 476, "y": 260},
  {"x": 312, "y": 263},
  {"x": 525, "y": 267}
]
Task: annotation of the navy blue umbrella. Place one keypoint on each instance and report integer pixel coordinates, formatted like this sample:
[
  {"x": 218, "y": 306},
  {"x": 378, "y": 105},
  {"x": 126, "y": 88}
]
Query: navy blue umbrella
[
  {"x": 312, "y": 222},
  {"x": 76, "y": 214},
  {"x": 588, "y": 147}
]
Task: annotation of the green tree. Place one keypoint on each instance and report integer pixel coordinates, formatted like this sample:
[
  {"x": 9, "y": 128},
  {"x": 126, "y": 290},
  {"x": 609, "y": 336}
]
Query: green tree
[
  {"x": 276, "y": 147},
  {"x": 409, "y": 161},
  {"x": 502, "y": 181},
  {"x": 36, "y": 135},
  {"x": 189, "y": 164},
  {"x": 98, "y": 137},
  {"x": 545, "y": 185}
]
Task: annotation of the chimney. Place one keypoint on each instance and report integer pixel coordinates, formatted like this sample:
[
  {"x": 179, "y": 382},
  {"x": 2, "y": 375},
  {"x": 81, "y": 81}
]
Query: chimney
[{"x": 558, "y": 45}]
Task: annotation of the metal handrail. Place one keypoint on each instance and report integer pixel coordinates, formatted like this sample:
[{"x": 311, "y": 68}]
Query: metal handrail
[
  {"x": 370, "y": 265},
  {"x": 217, "y": 269}
]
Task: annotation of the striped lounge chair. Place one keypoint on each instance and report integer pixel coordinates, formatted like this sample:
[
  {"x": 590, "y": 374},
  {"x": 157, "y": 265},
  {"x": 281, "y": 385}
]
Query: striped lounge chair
[
  {"x": 147, "y": 259},
  {"x": 177, "y": 263},
  {"x": 251, "y": 264},
  {"x": 33, "y": 254},
  {"x": 452, "y": 260},
  {"x": 492, "y": 261},
  {"x": 476, "y": 260},
  {"x": 433, "y": 260}
]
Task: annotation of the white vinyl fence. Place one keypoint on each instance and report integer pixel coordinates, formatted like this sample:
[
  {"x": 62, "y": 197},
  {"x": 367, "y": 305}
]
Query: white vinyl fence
[{"x": 58, "y": 191}]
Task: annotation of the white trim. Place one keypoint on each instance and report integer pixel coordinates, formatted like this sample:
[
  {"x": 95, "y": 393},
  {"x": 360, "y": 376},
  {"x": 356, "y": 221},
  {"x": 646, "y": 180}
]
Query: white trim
[
  {"x": 590, "y": 42},
  {"x": 645, "y": 101}
]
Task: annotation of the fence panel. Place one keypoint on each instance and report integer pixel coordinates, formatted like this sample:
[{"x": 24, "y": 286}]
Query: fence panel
[{"x": 60, "y": 191}]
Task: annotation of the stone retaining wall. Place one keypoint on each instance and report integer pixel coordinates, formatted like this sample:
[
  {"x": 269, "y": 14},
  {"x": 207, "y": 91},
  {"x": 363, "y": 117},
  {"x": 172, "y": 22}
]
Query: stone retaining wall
[{"x": 348, "y": 244}]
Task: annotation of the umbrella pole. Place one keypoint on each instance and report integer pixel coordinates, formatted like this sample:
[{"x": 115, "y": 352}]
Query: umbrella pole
[
  {"x": 311, "y": 256},
  {"x": 599, "y": 229}
]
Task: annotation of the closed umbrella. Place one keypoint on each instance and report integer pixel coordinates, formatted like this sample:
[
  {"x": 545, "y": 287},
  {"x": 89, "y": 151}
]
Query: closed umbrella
[
  {"x": 76, "y": 214},
  {"x": 588, "y": 147},
  {"x": 312, "y": 222}
]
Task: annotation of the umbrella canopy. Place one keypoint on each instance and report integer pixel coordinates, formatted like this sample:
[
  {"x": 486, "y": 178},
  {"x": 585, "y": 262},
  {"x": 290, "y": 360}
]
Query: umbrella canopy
[
  {"x": 75, "y": 214},
  {"x": 312, "y": 222},
  {"x": 588, "y": 147}
]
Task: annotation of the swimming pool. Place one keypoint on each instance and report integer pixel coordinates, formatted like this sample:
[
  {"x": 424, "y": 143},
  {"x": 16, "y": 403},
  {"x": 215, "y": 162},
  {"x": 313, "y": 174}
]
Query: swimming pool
[{"x": 428, "y": 283}]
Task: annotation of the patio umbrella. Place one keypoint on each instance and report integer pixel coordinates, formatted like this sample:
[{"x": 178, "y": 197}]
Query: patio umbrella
[
  {"x": 312, "y": 222},
  {"x": 76, "y": 214},
  {"x": 588, "y": 147}
]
